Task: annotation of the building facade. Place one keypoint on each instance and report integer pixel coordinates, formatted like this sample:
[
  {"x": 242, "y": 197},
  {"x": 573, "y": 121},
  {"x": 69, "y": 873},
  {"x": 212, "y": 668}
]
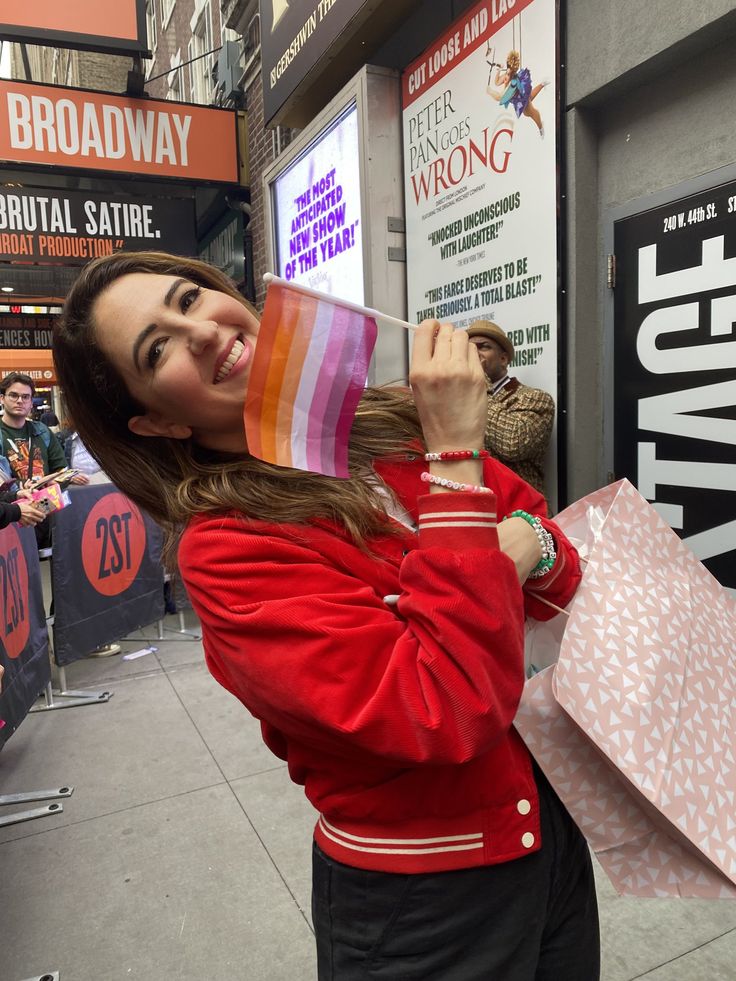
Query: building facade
[{"x": 642, "y": 132}]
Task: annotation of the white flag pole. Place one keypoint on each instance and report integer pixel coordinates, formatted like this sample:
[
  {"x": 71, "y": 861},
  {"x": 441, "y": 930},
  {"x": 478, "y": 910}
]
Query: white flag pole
[{"x": 366, "y": 311}]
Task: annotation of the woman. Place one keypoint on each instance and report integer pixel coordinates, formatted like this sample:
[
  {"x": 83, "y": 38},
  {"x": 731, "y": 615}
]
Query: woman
[
  {"x": 516, "y": 90},
  {"x": 385, "y": 665}
]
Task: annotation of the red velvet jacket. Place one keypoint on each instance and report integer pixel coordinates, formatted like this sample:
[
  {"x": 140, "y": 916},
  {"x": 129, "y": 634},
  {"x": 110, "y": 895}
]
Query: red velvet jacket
[{"x": 388, "y": 682}]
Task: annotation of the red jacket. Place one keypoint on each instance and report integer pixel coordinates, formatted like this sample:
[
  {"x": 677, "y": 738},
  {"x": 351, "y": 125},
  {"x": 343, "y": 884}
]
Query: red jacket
[{"x": 396, "y": 716}]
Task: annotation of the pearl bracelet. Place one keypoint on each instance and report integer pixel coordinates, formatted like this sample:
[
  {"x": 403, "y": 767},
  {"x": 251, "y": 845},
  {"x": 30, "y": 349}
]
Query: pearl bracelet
[
  {"x": 546, "y": 543},
  {"x": 452, "y": 455},
  {"x": 430, "y": 478}
]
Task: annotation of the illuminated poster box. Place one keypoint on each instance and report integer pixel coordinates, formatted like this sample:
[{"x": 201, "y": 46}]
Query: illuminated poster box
[{"x": 335, "y": 210}]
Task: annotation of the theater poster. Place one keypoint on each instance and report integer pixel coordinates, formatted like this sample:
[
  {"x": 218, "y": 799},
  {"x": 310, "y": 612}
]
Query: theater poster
[{"x": 480, "y": 181}]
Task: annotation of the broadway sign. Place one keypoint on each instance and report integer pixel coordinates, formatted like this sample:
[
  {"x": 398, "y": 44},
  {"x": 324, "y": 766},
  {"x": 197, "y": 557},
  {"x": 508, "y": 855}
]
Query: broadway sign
[
  {"x": 72, "y": 128},
  {"x": 45, "y": 225}
]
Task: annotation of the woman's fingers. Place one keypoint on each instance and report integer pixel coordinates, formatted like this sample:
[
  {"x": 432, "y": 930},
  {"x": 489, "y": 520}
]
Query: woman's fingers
[
  {"x": 449, "y": 387},
  {"x": 443, "y": 343},
  {"x": 423, "y": 345},
  {"x": 438, "y": 342}
]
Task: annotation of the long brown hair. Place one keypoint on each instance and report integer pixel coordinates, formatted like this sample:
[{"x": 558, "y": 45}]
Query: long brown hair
[{"x": 174, "y": 479}]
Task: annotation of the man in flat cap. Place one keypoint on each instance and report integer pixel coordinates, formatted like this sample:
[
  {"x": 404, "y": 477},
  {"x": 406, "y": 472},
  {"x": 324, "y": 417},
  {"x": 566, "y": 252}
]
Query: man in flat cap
[{"x": 520, "y": 418}]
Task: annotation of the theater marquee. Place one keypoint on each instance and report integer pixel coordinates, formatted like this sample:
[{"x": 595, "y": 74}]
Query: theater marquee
[
  {"x": 72, "y": 128},
  {"x": 87, "y": 25},
  {"x": 52, "y": 225}
]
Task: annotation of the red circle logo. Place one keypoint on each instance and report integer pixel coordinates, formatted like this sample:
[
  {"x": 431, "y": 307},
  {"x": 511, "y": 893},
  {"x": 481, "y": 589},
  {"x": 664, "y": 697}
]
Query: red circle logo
[
  {"x": 16, "y": 622},
  {"x": 113, "y": 543}
]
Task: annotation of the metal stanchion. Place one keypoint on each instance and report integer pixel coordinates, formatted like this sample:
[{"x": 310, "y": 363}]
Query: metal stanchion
[
  {"x": 181, "y": 634},
  {"x": 182, "y": 631},
  {"x": 67, "y": 698},
  {"x": 34, "y": 795}
]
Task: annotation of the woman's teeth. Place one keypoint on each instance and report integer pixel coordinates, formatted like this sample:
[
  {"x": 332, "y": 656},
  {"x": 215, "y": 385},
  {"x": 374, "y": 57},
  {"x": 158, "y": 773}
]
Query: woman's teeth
[{"x": 224, "y": 371}]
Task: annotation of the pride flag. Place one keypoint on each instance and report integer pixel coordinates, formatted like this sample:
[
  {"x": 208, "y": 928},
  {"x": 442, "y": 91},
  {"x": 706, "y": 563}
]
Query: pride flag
[{"x": 308, "y": 374}]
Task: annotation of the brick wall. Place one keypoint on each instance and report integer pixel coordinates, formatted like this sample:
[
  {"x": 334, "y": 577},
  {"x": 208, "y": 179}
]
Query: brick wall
[
  {"x": 261, "y": 154},
  {"x": 101, "y": 71},
  {"x": 89, "y": 69},
  {"x": 260, "y": 151},
  {"x": 176, "y": 37}
]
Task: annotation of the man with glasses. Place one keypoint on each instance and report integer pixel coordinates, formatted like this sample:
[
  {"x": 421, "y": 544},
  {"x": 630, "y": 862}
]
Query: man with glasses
[
  {"x": 32, "y": 450},
  {"x": 30, "y": 447}
]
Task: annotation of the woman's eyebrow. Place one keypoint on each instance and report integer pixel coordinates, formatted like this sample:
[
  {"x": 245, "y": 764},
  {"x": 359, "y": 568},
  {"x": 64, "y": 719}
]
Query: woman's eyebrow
[{"x": 147, "y": 331}]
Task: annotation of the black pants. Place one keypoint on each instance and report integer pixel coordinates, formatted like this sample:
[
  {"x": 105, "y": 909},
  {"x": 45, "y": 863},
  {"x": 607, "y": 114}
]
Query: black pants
[{"x": 533, "y": 919}]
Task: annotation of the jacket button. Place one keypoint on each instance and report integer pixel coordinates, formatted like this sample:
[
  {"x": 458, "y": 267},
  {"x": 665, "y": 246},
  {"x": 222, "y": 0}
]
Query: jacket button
[
  {"x": 523, "y": 807},
  {"x": 405, "y": 551},
  {"x": 527, "y": 839}
]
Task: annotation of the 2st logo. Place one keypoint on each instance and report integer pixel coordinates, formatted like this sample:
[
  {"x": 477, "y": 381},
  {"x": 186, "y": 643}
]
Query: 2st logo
[
  {"x": 113, "y": 544},
  {"x": 113, "y": 533},
  {"x": 16, "y": 624}
]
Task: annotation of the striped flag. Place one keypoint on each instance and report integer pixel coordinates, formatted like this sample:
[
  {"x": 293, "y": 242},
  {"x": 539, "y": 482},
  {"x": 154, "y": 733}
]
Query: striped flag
[{"x": 309, "y": 371}]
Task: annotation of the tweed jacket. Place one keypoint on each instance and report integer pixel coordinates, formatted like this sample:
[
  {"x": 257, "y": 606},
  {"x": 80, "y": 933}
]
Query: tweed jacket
[{"x": 518, "y": 429}]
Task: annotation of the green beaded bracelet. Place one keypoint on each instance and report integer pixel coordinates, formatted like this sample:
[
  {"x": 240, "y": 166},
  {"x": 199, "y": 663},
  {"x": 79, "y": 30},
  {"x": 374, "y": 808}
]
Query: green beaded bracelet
[{"x": 546, "y": 543}]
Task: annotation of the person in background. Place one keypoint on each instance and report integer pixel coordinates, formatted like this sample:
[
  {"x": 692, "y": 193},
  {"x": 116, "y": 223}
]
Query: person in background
[
  {"x": 50, "y": 419},
  {"x": 79, "y": 458},
  {"x": 19, "y": 508},
  {"x": 32, "y": 450},
  {"x": 30, "y": 447},
  {"x": 374, "y": 625},
  {"x": 520, "y": 418}
]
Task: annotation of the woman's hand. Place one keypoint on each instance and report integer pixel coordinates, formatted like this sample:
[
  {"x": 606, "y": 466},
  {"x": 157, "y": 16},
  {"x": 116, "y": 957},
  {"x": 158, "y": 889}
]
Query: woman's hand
[
  {"x": 449, "y": 388},
  {"x": 29, "y": 513},
  {"x": 519, "y": 541}
]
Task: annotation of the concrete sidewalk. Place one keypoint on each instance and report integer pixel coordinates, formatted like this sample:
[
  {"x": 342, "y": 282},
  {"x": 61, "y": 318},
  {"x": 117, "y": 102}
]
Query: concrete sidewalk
[{"x": 184, "y": 852}]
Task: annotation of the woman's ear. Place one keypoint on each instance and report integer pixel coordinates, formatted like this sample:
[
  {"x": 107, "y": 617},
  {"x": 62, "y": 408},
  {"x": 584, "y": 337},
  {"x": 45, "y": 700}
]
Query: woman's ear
[{"x": 151, "y": 426}]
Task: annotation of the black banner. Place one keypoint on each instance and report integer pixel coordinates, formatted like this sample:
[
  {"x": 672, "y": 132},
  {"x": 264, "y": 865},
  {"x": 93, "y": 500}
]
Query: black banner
[
  {"x": 24, "y": 639},
  {"x": 107, "y": 577},
  {"x": 52, "y": 225},
  {"x": 295, "y": 37},
  {"x": 26, "y": 332},
  {"x": 675, "y": 368}
]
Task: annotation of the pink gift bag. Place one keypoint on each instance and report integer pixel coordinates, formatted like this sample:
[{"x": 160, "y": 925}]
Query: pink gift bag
[{"x": 634, "y": 725}]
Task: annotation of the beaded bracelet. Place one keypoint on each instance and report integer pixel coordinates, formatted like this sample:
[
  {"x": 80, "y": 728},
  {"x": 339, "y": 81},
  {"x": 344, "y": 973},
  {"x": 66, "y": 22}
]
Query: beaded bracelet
[
  {"x": 457, "y": 455},
  {"x": 546, "y": 543},
  {"x": 430, "y": 478},
  {"x": 545, "y": 564}
]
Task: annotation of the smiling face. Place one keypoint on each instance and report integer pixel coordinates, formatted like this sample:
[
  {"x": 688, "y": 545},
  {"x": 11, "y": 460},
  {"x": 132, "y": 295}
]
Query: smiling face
[{"x": 183, "y": 352}]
